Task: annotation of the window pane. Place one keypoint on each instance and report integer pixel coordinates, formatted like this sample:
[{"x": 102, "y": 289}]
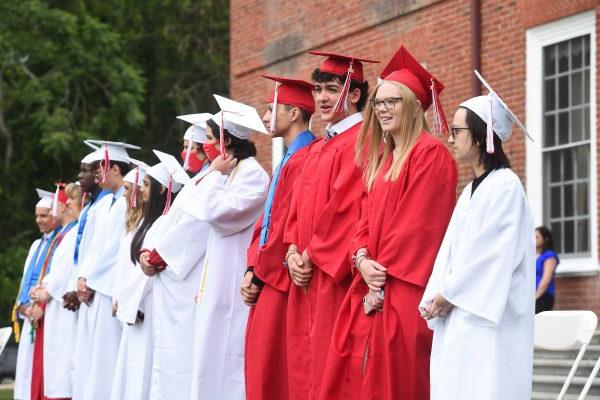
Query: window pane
[
  {"x": 563, "y": 128},
  {"x": 582, "y": 199},
  {"x": 576, "y": 53},
  {"x": 549, "y": 131},
  {"x": 576, "y": 125},
  {"x": 567, "y": 165},
  {"x": 576, "y": 89},
  {"x": 554, "y": 161},
  {"x": 555, "y": 202},
  {"x": 550, "y": 95},
  {"x": 569, "y": 237},
  {"x": 586, "y": 86},
  {"x": 563, "y": 56},
  {"x": 549, "y": 60},
  {"x": 586, "y": 50},
  {"x": 568, "y": 210},
  {"x": 586, "y": 123},
  {"x": 583, "y": 162},
  {"x": 563, "y": 92},
  {"x": 583, "y": 236},
  {"x": 555, "y": 227}
]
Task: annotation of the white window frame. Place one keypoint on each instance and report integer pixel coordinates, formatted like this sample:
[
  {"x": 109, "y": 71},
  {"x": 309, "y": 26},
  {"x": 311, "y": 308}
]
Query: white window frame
[{"x": 536, "y": 38}]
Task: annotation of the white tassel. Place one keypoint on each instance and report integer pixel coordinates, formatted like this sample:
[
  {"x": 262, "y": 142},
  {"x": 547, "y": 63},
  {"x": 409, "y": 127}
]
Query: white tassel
[
  {"x": 55, "y": 202},
  {"x": 188, "y": 151},
  {"x": 489, "y": 142},
  {"x": 274, "y": 111}
]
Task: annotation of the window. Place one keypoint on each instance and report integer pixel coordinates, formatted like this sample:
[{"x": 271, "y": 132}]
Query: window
[{"x": 561, "y": 178}]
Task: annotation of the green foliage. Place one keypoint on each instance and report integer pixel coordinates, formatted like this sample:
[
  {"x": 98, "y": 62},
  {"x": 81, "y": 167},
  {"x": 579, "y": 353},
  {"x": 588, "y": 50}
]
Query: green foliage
[{"x": 112, "y": 69}]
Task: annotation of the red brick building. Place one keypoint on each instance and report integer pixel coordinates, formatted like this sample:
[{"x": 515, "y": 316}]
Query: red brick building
[{"x": 540, "y": 55}]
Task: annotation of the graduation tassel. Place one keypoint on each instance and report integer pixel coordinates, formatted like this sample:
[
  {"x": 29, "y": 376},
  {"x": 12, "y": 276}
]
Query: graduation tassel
[
  {"x": 188, "y": 151},
  {"x": 342, "y": 103},
  {"x": 16, "y": 326},
  {"x": 222, "y": 136},
  {"x": 274, "y": 111},
  {"x": 489, "y": 141},
  {"x": 106, "y": 165},
  {"x": 169, "y": 190},
  {"x": 134, "y": 190},
  {"x": 55, "y": 201},
  {"x": 440, "y": 124}
]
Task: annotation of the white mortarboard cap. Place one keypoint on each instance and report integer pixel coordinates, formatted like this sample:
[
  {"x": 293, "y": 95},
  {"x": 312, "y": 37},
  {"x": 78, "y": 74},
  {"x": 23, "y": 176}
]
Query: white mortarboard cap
[
  {"x": 139, "y": 170},
  {"x": 174, "y": 168},
  {"x": 162, "y": 175},
  {"x": 46, "y": 198},
  {"x": 491, "y": 108},
  {"x": 240, "y": 119},
  {"x": 196, "y": 132},
  {"x": 116, "y": 151}
]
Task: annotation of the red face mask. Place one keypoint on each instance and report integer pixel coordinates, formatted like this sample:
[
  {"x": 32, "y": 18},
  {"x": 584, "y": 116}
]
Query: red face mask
[
  {"x": 194, "y": 165},
  {"x": 211, "y": 151}
]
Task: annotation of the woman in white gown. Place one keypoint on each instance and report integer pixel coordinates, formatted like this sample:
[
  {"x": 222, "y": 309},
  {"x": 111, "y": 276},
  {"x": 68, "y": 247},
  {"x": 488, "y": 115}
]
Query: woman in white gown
[{"x": 480, "y": 298}]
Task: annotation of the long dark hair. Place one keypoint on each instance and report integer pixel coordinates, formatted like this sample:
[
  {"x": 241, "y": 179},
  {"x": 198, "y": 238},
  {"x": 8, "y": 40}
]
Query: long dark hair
[
  {"x": 241, "y": 148},
  {"x": 478, "y": 130},
  {"x": 152, "y": 210},
  {"x": 548, "y": 239}
]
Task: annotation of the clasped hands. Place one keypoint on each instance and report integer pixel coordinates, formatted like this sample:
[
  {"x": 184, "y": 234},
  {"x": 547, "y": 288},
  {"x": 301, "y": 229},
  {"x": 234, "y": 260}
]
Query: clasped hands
[
  {"x": 438, "y": 307},
  {"x": 299, "y": 266},
  {"x": 147, "y": 268}
]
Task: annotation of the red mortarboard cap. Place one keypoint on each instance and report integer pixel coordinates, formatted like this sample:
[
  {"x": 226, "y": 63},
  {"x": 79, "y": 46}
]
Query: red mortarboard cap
[
  {"x": 293, "y": 92},
  {"x": 405, "y": 69},
  {"x": 339, "y": 64}
]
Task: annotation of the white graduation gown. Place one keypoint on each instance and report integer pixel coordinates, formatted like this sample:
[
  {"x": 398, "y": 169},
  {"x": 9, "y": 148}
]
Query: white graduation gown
[
  {"x": 134, "y": 361},
  {"x": 90, "y": 377},
  {"x": 483, "y": 349},
  {"x": 230, "y": 205},
  {"x": 22, "y": 388},
  {"x": 181, "y": 244},
  {"x": 60, "y": 324}
]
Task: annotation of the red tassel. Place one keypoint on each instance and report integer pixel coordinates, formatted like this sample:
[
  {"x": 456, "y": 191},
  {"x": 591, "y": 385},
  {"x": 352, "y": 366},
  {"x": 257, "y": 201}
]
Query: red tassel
[
  {"x": 440, "y": 124},
  {"x": 134, "y": 190},
  {"x": 222, "y": 136},
  {"x": 106, "y": 165},
  {"x": 342, "y": 103},
  {"x": 168, "y": 202}
]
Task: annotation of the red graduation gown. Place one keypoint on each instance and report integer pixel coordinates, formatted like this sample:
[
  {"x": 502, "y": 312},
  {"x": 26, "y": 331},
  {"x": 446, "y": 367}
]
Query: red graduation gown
[
  {"x": 325, "y": 209},
  {"x": 402, "y": 226},
  {"x": 266, "y": 355}
]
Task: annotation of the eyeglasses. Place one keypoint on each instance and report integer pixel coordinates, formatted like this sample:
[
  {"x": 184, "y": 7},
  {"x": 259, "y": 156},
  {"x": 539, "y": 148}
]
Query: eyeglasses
[
  {"x": 454, "y": 131},
  {"x": 388, "y": 103}
]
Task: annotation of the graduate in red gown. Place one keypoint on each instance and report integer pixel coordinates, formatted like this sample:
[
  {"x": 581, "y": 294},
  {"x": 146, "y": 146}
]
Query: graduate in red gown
[
  {"x": 266, "y": 282},
  {"x": 380, "y": 345},
  {"x": 325, "y": 209}
]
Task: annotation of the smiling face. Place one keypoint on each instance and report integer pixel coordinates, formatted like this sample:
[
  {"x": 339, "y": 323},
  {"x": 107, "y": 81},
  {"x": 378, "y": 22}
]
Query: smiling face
[
  {"x": 390, "y": 108},
  {"x": 87, "y": 177},
  {"x": 461, "y": 142},
  {"x": 43, "y": 219}
]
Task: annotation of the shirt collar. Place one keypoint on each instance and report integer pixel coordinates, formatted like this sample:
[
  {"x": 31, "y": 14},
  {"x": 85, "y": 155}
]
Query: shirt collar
[
  {"x": 119, "y": 192},
  {"x": 346, "y": 123}
]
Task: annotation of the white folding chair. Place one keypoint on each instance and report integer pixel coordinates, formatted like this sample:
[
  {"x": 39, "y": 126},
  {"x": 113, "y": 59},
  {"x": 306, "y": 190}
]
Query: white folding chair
[
  {"x": 4, "y": 336},
  {"x": 565, "y": 330},
  {"x": 590, "y": 380}
]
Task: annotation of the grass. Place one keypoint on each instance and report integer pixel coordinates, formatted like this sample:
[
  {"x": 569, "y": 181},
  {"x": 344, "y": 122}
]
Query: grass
[{"x": 6, "y": 394}]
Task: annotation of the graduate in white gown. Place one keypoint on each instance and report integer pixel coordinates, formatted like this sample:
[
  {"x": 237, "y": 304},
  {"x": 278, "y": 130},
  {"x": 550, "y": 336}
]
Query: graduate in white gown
[
  {"x": 60, "y": 324},
  {"x": 135, "y": 303},
  {"x": 480, "y": 298},
  {"x": 24, "y": 335},
  {"x": 230, "y": 199},
  {"x": 178, "y": 258},
  {"x": 95, "y": 360}
]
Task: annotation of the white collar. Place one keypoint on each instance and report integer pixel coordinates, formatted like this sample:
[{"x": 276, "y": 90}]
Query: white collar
[{"x": 346, "y": 123}]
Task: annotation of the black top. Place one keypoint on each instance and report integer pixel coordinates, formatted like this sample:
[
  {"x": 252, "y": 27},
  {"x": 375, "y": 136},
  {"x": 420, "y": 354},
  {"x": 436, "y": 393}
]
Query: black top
[{"x": 477, "y": 181}]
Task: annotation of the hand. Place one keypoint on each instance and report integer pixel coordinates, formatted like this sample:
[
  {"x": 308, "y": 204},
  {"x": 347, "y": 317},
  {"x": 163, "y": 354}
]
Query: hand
[
  {"x": 23, "y": 309},
  {"x": 147, "y": 268},
  {"x": 70, "y": 301},
  {"x": 249, "y": 290},
  {"x": 375, "y": 299},
  {"x": 36, "y": 313},
  {"x": 84, "y": 293},
  {"x": 115, "y": 308},
  {"x": 300, "y": 272},
  {"x": 439, "y": 307},
  {"x": 41, "y": 294},
  {"x": 373, "y": 273},
  {"x": 223, "y": 165}
]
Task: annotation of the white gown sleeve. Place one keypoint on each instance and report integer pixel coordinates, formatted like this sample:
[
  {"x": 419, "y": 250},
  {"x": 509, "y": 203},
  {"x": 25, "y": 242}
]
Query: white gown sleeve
[{"x": 481, "y": 278}]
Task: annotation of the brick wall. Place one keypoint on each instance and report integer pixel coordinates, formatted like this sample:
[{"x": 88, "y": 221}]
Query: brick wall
[{"x": 271, "y": 36}]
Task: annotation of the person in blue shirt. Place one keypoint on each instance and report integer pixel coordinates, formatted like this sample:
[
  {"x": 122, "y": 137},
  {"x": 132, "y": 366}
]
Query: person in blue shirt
[{"x": 547, "y": 261}]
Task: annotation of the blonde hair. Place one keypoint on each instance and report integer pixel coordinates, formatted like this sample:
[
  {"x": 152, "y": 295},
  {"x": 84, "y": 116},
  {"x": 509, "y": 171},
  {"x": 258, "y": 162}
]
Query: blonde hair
[
  {"x": 74, "y": 192},
  {"x": 374, "y": 146},
  {"x": 134, "y": 214}
]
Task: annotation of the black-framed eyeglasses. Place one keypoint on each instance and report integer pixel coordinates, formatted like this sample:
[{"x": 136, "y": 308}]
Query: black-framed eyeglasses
[
  {"x": 388, "y": 103},
  {"x": 454, "y": 131}
]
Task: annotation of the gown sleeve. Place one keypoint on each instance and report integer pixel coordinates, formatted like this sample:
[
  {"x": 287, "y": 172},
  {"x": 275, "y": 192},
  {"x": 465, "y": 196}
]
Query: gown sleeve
[{"x": 480, "y": 281}]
